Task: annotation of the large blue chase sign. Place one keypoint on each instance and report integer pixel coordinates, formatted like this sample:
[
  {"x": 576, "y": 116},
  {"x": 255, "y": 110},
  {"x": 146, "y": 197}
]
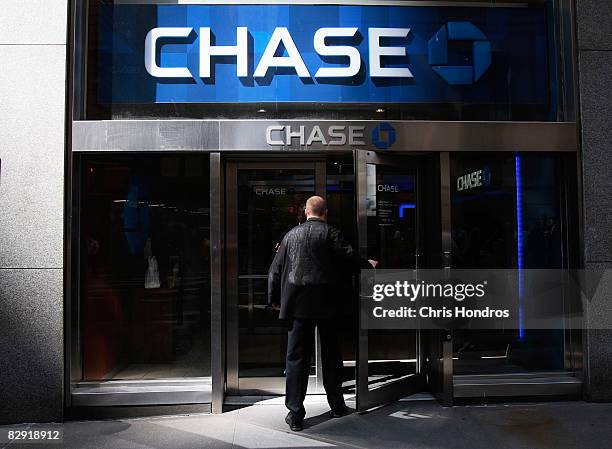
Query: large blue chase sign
[{"x": 322, "y": 53}]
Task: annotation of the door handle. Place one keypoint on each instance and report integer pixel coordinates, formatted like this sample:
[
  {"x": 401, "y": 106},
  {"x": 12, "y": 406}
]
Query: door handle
[{"x": 446, "y": 259}]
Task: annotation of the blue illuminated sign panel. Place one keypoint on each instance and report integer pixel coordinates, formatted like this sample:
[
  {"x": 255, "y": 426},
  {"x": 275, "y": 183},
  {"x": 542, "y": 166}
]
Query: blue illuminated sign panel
[{"x": 322, "y": 53}]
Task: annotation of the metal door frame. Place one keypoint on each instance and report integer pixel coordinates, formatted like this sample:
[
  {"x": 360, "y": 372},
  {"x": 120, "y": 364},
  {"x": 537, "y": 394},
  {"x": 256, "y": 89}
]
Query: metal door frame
[
  {"x": 443, "y": 339},
  {"x": 254, "y": 385},
  {"x": 217, "y": 280}
]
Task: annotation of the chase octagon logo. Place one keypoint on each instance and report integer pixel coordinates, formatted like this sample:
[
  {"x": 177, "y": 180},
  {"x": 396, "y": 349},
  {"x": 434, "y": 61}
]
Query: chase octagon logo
[
  {"x": 459, "y": 74},
  {"x": 383, "y": 135}
]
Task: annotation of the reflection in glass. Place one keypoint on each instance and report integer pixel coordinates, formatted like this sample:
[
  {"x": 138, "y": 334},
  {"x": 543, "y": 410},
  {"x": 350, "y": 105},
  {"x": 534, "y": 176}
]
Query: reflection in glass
[
  {"x": 341, "y": 214},
  {"x": 270, "y": 203},
  {"x": 508, "y": 216},
  {"x": 145, "y": 249},
  {"x": 392, "y": 240}
]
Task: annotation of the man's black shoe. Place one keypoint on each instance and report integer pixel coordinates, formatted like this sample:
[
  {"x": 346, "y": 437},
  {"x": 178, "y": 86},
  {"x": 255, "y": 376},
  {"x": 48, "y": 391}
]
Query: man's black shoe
[
  {"x": 339, "y": 412},
  {"x": 294, "y": 422}
]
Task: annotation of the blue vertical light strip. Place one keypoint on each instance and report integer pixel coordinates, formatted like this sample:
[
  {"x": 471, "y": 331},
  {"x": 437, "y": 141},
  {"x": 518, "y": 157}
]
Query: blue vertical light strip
[{"x": 519, "y": 240}]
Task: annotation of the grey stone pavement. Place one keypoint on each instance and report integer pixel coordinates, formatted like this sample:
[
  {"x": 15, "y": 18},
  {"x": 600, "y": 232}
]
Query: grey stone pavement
[{"x": 405, "y": 424}]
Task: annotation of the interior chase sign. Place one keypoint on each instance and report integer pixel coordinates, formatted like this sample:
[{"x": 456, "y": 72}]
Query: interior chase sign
[{"x": 321, "y": 53}]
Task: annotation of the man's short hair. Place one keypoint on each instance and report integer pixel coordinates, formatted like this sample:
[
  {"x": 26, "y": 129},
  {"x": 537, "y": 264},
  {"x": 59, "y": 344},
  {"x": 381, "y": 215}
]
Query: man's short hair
[{"x": 316, "y": 206}]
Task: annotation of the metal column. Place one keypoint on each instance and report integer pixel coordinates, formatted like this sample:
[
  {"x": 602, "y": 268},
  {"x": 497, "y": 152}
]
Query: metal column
[
  {"x": 217, "y": 272},
  {"x": 446, "y": 336}
]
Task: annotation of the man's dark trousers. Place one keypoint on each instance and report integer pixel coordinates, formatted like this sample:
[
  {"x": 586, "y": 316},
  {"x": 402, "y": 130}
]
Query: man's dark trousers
[{"x": 300, "y": 347}]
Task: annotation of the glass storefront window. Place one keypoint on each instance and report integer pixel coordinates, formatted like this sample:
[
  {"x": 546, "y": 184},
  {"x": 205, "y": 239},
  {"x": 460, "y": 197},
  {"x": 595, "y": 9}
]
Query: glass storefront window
[
  {"x": 145, "y": 267},
  {"x": 509, "y": 211}
]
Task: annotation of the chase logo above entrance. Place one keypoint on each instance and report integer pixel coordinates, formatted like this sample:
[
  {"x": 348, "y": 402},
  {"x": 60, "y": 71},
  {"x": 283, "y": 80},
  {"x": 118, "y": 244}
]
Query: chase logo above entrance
[
  {"x": 383, "y": 136},
  {"x": 273, "y": 58},
  {"x": 335, "y": 135},
  {"x": 300, "y": 136},
  {"x": 439, "y": 53},
  {"x": 297, "y": 53}
]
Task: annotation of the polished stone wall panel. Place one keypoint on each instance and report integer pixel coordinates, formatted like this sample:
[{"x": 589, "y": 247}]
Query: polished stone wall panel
[
  {"x": 594, "y": 38},
  {"x": 594, "y": 23},
  {"x": 32, "y": 150},
  {"x": 31, "y": 345}
]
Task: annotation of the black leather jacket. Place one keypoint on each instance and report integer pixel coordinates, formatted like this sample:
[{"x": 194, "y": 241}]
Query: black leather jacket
[{"x": 305, "y": 274}]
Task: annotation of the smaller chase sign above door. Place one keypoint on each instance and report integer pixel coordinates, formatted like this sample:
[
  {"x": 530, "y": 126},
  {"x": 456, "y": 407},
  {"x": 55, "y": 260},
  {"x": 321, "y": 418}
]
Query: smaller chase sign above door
[{"x": 231, "y": 53}]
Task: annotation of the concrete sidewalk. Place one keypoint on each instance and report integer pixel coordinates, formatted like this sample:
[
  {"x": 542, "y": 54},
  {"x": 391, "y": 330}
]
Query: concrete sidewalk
[{"x": 413, "y": 424}]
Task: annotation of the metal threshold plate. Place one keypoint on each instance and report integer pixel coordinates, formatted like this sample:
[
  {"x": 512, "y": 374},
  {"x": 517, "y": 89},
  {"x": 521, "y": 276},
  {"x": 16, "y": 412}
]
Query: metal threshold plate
[
  {"x": 496, "y": 386},
  {"x": 155, "y": 392}
]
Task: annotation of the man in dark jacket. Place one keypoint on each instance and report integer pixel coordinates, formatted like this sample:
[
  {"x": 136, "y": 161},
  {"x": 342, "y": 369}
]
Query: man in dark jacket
[{"x": 303, "y": 278}]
